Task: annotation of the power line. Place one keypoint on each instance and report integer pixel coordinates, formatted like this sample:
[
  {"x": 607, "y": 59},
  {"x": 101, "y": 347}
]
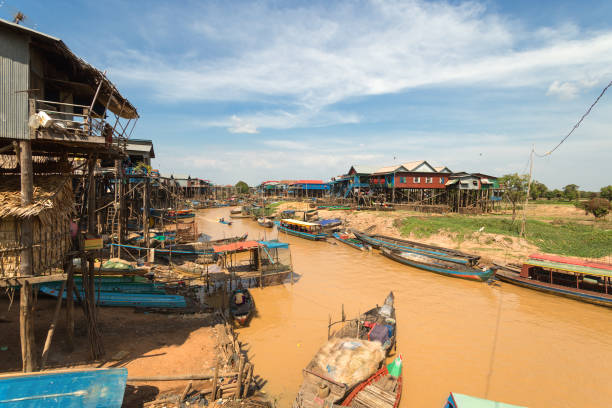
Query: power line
[{"x": 577, "y": 123}]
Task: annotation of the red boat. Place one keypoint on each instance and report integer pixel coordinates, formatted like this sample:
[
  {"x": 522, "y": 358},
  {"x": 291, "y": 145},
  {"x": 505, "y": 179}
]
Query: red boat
[{"x": 381, "y": 390}]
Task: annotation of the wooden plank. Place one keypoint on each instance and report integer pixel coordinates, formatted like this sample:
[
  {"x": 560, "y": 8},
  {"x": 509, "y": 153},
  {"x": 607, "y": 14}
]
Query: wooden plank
[{"x": 32, "y": 280}]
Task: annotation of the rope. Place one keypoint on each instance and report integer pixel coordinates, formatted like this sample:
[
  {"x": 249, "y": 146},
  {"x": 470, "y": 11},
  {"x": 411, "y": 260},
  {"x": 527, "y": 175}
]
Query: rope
[{"x": 494, "y": 349}]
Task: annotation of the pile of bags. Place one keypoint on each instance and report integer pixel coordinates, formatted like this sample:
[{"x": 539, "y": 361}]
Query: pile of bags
[{"x": 349, "y": 361}]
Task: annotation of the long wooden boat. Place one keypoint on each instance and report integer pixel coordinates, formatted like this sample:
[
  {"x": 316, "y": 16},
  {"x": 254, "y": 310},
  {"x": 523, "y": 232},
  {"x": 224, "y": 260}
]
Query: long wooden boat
[
  {"x": 92, "y": 387},
  {"x": 236, "y": 210},
  {"x": 242, "y": 313},
  {"x": 265, "y": 222},
  {"x": 456, "y": 400},
  {"x": 439, "y": 266},
  {"x": 372, "y": 328},
  {"x": 352, "y": 242},
  {"x": 445, "y": 254},
  {"x": 587, "y": 283},
  {"x": 103, "y": 285},
  {"x": 302, "y": 229},
  {"x": 382, "y": 390},
  {"x": 118, "y": 299}
]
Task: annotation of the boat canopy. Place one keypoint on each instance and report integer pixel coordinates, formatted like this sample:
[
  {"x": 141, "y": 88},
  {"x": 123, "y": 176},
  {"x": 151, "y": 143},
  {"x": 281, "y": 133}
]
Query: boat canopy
[
  {"x": 456, "y": 400},
  {"x": 571, "y": 268},
  {"x": 274, "y": 244},
  {"x": 571, "y": 261},
  {"x": 236, "y": 246},
  {"x": 300, "y": 223}
]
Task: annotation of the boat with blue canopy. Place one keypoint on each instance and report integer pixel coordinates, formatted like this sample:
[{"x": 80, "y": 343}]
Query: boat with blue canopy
[
  {"x": 91, "y": 387},
  {"x": 303, "y": 229}
]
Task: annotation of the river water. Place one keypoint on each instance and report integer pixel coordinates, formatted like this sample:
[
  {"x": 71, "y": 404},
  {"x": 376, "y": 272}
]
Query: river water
[{"x": 496, "y": 341}]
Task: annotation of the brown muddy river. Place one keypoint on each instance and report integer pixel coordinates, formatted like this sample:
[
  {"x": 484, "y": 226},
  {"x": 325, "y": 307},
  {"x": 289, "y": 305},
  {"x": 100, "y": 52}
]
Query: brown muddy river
[{"x": 495, "y": 341}]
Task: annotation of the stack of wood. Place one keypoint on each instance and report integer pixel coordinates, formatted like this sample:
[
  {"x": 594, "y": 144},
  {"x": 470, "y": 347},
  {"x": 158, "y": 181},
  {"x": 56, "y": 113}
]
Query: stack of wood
[{"x": 381, "y": 394}]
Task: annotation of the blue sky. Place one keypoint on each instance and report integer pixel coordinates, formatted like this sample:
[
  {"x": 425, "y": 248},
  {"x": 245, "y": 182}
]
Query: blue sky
[{"x": 304, "y": 89}]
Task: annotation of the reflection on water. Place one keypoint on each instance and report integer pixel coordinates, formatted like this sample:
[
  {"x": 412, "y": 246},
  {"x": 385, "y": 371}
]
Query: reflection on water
[{"x": 496, "y": 341}]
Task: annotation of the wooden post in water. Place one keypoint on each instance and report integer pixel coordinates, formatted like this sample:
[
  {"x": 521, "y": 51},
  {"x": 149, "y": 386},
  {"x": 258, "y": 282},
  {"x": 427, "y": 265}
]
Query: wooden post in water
[{"x": 26, "y": 303}]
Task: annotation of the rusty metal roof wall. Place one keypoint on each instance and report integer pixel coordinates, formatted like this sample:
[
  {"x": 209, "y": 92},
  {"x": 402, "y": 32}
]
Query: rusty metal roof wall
[
  {"x": 118, "y": 104},
  {"x": 15, "y": 79}
]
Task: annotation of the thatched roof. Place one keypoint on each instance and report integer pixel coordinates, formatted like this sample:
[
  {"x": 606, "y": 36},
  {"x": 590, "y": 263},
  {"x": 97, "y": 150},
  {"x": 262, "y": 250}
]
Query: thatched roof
[{"x": 53, "y": 193}]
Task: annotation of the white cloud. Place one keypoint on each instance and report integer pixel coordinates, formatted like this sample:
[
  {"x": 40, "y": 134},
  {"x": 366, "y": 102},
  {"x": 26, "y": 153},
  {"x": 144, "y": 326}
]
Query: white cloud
[
  {"x": 241, "y": 126},
  {"x": 563, "y": 90},
  {"x": 311, "y": 57}
]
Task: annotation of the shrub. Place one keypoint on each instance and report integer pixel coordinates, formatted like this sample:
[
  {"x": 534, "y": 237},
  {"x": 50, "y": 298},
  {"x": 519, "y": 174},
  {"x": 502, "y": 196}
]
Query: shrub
[{"x": 599, "y": 207}]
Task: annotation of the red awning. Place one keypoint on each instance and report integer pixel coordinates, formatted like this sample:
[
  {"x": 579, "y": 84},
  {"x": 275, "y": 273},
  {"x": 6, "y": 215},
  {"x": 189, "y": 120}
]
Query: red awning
[
  {"x": 236, "y": 246},
  {"x": 572, "y": 261}
]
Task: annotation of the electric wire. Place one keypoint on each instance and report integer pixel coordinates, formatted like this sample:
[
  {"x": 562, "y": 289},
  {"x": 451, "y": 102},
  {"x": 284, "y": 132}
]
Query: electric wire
[{"x": 577, "y": 123}]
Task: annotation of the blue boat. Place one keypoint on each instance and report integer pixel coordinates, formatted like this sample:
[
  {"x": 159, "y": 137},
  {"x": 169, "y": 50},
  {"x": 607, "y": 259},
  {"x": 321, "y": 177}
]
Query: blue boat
[
  {"x": 222, "y": 221},
  {"x": 302, "y": 229},
  {"x": 94, "y": 387},
  {"x": 438, "y": 266},
  {"x": 444, "y": 254},
  {"x": 352, "y": 242},
  {"x": 118, "y": 299},
  {"x": 456, "y": 400},
  {"x": 116, "y": 286}
]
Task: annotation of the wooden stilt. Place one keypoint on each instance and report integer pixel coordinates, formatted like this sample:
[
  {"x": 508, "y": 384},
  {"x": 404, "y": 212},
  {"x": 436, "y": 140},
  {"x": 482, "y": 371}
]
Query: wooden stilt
[
  {"x": 26, "y": 325},
  {"x": 69, "y": 268},
  {"x": 26, "y": 309},
  {"x": 51, "y": 331}
]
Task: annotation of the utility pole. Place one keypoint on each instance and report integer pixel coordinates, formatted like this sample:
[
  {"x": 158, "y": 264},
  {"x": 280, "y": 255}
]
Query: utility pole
[{"x": 523, "y": 229}]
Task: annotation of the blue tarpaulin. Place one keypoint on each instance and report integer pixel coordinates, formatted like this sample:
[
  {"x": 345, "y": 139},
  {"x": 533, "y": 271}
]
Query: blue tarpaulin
[
  {"x": 274, "y": 244},
  {"x": 328, "y": 222}
]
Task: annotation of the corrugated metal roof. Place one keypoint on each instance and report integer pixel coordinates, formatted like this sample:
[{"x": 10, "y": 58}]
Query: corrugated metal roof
[
  {"x": 118, "y": 104},
  {"x": 390, "y": 169},
  {"x": 363, "y": 169},
  {"x": 14, "y": 82}
]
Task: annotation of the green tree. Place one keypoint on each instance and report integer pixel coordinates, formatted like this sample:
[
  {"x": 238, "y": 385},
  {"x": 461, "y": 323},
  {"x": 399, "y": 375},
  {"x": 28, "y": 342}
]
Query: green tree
[
  {"x": 242, "y": 187},
  {"x": 570, "y": 192},
  {"x": 515, "y": 189},
  {"x": 537, "y": 190},
  {"x": 556, "y": 193},
  {"x": 599, "y": 207},
  {"x": 606, "y": 192}
]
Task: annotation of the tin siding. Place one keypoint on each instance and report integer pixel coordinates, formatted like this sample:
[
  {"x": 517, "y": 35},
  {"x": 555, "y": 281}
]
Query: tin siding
[{"x": 14, "y": 76}]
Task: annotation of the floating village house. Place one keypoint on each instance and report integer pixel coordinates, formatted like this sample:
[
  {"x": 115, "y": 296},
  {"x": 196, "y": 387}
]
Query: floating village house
[
  {"x": 58, "y": 113},
  {"x": 308, "y": 188}
]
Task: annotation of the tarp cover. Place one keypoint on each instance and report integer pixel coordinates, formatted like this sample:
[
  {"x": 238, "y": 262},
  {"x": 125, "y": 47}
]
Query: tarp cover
[
  {"x": 330, "y": 221},
  {"x": 274, "y": 244},
  {"x": 236, "y": 246}
]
